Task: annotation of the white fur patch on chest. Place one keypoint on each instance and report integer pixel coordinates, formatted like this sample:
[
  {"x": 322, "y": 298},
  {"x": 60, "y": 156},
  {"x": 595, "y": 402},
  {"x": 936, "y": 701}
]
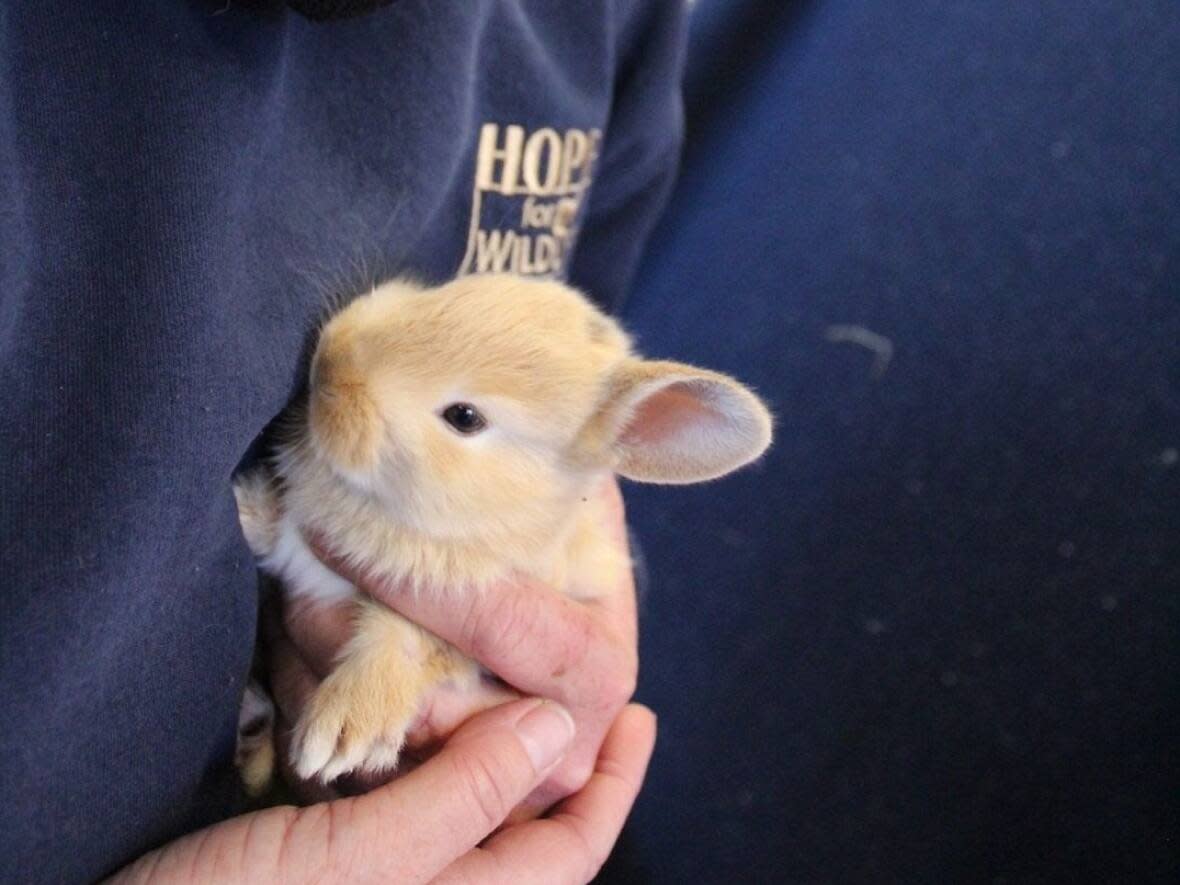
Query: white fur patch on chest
[{"x": 301, "y": 572}]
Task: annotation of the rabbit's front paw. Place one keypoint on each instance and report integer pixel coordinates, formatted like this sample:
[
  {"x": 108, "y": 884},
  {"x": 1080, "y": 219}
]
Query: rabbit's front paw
[{"x": 347, "y": 728}]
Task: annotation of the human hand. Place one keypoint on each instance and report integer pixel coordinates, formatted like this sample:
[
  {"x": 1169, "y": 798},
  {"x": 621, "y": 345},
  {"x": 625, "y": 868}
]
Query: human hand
[
  {"x": 433, "y": 825},
  {"x": 580, "y": 653}
]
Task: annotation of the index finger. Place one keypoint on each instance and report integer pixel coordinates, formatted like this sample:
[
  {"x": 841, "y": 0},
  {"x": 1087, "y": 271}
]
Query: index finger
[
  {"x": 450, "y": 803},
  {"x": 572, "y": 844}
]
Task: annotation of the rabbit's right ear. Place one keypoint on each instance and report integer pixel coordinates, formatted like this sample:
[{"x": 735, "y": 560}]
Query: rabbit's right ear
[{"x": 669, "y": 422}]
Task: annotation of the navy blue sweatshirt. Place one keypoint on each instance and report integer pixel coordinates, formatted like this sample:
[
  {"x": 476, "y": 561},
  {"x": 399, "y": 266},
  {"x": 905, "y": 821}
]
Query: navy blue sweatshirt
[{"x": 185, "y": 184}]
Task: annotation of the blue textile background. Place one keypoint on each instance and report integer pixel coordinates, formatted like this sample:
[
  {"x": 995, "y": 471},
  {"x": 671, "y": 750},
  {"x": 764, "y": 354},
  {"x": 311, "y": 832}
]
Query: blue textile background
[
  {"x": 184, "y": 184},
  {"x": 932, "y": 638}
]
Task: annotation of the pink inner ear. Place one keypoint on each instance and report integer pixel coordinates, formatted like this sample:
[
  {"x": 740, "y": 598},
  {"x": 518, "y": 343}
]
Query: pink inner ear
[{"x": 666, "y": 414}]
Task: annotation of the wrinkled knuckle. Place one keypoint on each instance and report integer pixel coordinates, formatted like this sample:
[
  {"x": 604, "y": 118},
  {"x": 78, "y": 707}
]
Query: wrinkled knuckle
[
  {"x": 484, "y": 786},
  {"x": 328, "y": 857},
  {"x": 342, "y": 854},
  {"x": 495, "y": 623}
]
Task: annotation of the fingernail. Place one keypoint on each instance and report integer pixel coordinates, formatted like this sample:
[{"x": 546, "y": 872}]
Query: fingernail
[{"x": 546, "y": 732}]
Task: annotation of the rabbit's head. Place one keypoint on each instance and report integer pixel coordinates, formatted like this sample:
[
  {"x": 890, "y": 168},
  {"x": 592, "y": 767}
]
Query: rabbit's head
[{"x": 495, "y": 397}]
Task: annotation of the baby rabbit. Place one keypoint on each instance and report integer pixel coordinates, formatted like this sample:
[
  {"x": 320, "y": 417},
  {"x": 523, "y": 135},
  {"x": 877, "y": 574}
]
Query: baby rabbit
[{"x": 451, "y": 436}]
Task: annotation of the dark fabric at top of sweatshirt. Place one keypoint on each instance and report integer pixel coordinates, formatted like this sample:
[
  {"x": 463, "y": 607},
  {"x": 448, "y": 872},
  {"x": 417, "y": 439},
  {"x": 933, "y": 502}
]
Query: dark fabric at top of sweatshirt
[
  {"x": 316, "y": 10},
  {"x": 934, "y": 637},
  {"x": 327, "y": 10},
  {"x": 184, "y": 187}
]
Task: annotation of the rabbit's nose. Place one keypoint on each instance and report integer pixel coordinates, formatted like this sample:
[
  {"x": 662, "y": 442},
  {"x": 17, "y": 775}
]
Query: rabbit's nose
[{"x": 333, "y": 366}]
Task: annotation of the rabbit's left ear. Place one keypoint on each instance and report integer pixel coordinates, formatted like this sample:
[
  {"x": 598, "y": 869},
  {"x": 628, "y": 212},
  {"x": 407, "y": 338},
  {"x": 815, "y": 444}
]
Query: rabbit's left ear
[{"x": 674, "y": 423}]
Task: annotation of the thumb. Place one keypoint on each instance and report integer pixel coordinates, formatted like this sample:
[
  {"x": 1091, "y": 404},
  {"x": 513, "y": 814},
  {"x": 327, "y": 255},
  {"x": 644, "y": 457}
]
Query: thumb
[
  {"x": 406, "y": 831},
  {"x": 451, "y": 803}
]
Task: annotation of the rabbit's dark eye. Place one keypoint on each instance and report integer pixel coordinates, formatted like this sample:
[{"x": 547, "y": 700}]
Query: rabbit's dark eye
[{"x": 465, "y": 418}]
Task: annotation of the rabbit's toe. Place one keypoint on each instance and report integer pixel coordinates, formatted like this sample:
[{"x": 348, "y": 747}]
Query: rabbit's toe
[{"x": 339, "y": 735}]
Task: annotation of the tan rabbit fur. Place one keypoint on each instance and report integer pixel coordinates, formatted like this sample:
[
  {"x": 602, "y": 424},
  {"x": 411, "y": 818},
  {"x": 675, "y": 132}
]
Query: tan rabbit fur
[{"x": 377, "y": 472}]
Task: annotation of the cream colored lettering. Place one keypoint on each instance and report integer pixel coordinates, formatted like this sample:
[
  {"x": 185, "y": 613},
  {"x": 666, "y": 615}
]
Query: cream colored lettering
[
  {"x": 493, "y": 250},
  {"x": 574, "y": 153},
  {"x": 541, "y": 254},
  {"x": 542, "y": 151},
  {"x": 521, "y": 262},
  {"x": 565, "y": 215},
  {"x": 550, "y": 171},
  {"x": 548, "y": 253},
  {"x": 534, "y": 214},
  {"x": 492, "y": 159}
]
